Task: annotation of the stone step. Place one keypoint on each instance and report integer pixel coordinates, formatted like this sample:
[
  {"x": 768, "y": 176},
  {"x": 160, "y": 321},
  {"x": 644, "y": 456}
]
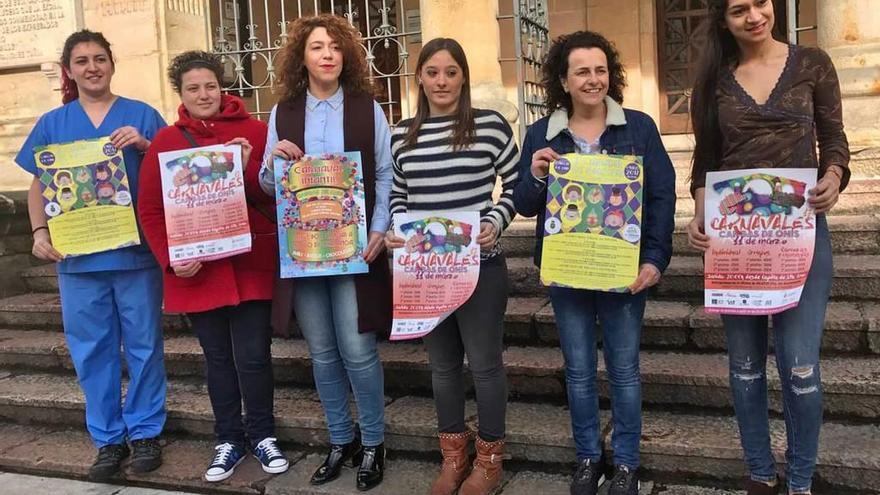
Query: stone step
[
  {"x": 850, "y": 384},
  {"x": 850, "y": 234},
  {"x": 672, "y": 443},
  {"x": 855, "y": 278}
]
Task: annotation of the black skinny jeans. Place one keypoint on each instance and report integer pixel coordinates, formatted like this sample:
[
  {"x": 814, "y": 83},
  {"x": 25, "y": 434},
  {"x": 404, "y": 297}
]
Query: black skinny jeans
[
  {"x": 236, "y": 341},
  {"x": 475, "y": 329}
]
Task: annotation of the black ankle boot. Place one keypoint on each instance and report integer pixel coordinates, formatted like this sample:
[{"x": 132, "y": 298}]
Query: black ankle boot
[
  {"x": 372, "y": 467},
  {"x": 338, "y": 455}
]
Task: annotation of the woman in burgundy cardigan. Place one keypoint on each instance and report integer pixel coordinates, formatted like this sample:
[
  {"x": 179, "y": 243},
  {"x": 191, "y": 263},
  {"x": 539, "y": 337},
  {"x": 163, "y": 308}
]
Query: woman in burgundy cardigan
[{"x": 227, "y": 300}]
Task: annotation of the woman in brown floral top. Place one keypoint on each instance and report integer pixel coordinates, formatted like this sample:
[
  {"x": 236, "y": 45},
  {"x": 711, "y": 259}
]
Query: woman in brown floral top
[{"x": 758, "y": 102}]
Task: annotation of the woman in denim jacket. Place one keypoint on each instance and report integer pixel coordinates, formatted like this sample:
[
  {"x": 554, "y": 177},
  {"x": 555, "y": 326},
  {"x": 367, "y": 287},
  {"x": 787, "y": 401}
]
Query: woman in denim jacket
[{"x": 584, "y": 82}]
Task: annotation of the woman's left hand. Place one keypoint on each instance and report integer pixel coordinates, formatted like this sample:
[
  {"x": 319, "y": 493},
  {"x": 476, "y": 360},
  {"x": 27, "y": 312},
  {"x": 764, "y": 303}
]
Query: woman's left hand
[
  {"x": 487, "y": 236},
  {"x": 375, "y": 246},
  {"x": 826, "y": 193},
  {"x": 128, "y": 135},
  {"x": 246, "y": 149},
  {"x": 649, "y": 275}
]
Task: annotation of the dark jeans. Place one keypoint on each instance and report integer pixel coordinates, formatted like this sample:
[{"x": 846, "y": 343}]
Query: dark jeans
[
  {"x": 236, "y": 341},
  {"x": 797, "y": 338},
  {"x": 475, "y": 329}
]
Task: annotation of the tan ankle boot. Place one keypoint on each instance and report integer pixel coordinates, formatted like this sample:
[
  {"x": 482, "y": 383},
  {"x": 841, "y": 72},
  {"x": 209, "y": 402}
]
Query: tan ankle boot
[
  {"x": 456, "y": 467},
  {"x": 486, "y": 475}
]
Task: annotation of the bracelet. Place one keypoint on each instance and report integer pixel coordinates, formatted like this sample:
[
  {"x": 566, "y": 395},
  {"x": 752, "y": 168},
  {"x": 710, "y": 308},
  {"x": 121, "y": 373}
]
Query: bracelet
[
  {"x": 39, "y": 228},
  {"x": 832, "y": 172}
]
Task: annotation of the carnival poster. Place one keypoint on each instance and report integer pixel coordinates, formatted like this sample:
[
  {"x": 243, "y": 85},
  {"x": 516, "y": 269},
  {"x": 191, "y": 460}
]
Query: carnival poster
[
  {"x": 762, "y": 234},
  {"x": 206, "y": 214},
  {"x": 322, "y": 224},
  {"x": 86, "y": 196},
  {"x": 592, "y": 226},
  {"x": 435, "y": 272}
]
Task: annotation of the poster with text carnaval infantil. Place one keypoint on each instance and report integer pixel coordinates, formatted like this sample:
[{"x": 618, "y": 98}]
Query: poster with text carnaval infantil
[
  {"x": 436, "y": 270},
  {"x": 322, "y": 223},
  {"x": 206, "y": 214},
  {"x": 762, "y": 235},
  {"x": 86, "y": 196},
  {"x": 593, "y": 222}
]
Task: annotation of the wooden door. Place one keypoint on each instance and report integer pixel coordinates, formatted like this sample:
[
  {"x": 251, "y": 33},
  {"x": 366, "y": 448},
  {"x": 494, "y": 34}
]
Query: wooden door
[{"x": 678, "y": 22}]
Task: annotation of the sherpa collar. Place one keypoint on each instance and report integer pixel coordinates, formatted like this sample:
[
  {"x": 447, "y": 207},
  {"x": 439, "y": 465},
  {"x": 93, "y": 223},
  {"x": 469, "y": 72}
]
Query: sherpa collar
[{"x": 559, "y": 118}]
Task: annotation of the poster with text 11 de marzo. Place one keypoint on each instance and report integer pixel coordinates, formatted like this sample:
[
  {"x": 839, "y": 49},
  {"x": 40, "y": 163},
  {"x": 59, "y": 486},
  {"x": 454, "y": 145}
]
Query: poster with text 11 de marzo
[
  {"x": 762, "y": 235},
  {"x": 436, "y": 270},
  {"x": 86, "y": 196}
]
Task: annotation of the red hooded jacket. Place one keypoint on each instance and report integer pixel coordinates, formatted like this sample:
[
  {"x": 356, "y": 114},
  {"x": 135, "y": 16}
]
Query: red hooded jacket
[{"x": 228, "y": 281}]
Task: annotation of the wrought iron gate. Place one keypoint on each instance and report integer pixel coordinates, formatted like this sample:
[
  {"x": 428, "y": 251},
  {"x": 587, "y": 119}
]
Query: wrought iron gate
[
  {"x": 249, "y": 33},
  {"x": 531, "y": 42}
]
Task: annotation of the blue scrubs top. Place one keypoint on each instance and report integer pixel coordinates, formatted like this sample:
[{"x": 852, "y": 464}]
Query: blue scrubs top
[{"x": 70, "y": 123}]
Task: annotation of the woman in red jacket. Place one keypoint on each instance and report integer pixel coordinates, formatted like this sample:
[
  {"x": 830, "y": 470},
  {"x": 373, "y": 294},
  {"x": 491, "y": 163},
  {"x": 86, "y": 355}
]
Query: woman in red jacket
[{"x": 227, "y": 300}]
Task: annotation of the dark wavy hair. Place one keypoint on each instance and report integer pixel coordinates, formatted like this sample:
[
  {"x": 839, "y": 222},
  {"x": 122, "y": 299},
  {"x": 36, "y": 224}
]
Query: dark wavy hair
[
  {"x": 69, "y": 90},
  {"x": 555, "y": 68},
  {"x": 464, "y": 131},
  {"x": 293, "y": 77},
  {"x": 193, "y": 59}
]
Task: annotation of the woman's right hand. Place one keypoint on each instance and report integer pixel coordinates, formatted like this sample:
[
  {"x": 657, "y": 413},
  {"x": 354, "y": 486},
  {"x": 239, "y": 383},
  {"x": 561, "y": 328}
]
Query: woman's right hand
[
  {"x": 286, "y": 150},
  {"x": 697, "y": 237},
  {"x": 187, "y": 270},
  {"x": 541, "y": 161},
  {"x": 392, "y": 241},
  {"x": 43, "y": 248}
]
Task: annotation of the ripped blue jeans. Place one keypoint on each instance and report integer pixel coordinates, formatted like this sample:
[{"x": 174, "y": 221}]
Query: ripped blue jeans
[{"x": 797, "y": 338}]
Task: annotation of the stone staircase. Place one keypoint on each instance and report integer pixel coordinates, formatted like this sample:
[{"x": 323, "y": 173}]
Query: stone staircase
[{"x": 689, "y": 442}]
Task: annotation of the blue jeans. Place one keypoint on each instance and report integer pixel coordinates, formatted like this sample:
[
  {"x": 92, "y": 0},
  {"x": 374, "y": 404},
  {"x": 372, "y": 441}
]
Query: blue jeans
[
  {"x": 103, "y": 311},
  {"x": 797, "y": 338},
  {"x": 620, "y": 316},
  {"x": 342, "y": 359}
]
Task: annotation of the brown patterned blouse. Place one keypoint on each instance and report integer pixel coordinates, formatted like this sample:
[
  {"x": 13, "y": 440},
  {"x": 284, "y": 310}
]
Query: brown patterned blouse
[{"x": 803, "y": 107}]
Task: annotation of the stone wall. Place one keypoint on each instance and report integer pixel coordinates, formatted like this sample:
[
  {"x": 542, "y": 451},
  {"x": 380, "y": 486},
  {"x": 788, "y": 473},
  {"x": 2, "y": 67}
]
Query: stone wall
[{"x": 15, "y": 243}]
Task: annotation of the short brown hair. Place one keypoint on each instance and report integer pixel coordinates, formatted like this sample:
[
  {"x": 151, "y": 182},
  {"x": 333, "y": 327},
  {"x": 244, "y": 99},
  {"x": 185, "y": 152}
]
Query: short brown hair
[{"x": 293, "y": 77}]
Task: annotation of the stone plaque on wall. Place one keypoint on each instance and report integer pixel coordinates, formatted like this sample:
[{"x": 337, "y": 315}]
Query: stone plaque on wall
[{"x": 33, "y": 31}]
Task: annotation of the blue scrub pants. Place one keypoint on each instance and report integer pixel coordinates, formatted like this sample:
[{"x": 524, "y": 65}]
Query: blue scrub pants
[{"x": 103, "y": 311}]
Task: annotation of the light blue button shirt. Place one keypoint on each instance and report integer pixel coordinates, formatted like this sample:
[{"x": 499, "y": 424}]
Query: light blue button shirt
[{"x": 324, "y": 133}]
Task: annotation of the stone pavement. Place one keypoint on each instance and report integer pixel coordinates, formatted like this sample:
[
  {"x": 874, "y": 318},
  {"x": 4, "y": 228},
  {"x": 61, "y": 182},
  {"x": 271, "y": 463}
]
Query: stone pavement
[{"x": 14, "y": 483}]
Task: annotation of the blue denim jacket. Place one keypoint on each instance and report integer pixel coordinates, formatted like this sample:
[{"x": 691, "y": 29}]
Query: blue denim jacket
[{"x": 628, "y": 132}]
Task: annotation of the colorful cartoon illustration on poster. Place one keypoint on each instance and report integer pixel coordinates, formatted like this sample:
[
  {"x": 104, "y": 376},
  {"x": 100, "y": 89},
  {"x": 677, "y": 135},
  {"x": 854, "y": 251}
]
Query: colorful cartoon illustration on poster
[
  {"x": 762, "y": 235},
  {"x": 435, "y": 272},
  {"x": 592, "y": 226},
  {"x": 86, "y": 196},
  {"x": 322, "y": 225},
  {"x": 206, "y": 214}
]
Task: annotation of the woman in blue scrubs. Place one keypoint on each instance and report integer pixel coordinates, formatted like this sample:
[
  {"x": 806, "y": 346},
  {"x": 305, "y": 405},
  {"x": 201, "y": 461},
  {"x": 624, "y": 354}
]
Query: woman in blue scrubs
[{"x": 113, "y": 298}]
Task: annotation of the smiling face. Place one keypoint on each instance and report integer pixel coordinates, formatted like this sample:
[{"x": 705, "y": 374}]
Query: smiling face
[
  {"x": 323, "y": 59},
  {"x": 200, "y": 93},
  {"x": 442, "y": 79},
  {"x": 750, "y": 21},
  {"x": 587, "y": 78},
  {"x": 91, "y": 68}
]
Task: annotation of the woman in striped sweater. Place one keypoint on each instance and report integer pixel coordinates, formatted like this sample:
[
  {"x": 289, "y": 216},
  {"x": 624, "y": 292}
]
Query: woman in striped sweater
[{"x": 448, "y": 157}]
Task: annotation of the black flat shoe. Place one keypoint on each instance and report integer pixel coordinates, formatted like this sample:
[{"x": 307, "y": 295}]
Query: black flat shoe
[
  {"x": 372, "y": 468},
  {"x": 338, "y": 455},
  {"x": 108, "y": 461}
]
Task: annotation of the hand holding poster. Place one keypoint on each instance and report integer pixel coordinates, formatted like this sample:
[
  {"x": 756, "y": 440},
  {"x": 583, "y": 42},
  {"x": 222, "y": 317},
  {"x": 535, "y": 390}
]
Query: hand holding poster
[
  {"x": 592, "y": 226},
  {"x": 322, "y": 224},
  {"x": 205, "y": 207},
  {"x": 86, "y": 196},
  {"x": 435, "y": 272},
  {"x": 762, "y": 233}
]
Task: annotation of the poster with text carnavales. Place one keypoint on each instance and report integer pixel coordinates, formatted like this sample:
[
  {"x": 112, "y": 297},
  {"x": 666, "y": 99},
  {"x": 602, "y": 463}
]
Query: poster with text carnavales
[
  {"x": 86, "y": 196},
  {"x": 206, "y": 214},
  {"x": 593, "y": 222},
  {"x": 762, "y": 234},
  {"x": 436, "y": 270},
  {"x": 322, "y": 223}
]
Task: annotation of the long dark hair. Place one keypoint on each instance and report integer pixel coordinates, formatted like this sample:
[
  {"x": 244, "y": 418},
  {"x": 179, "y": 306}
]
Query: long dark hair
[
  {"x": 69, "y": 90},
  {"x": 555, "y": 68},
  {"x": 464, "y": 132}
]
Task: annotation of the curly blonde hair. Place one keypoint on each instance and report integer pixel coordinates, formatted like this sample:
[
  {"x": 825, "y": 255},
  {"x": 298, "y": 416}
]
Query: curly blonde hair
[{"x": 293, "y": 77}]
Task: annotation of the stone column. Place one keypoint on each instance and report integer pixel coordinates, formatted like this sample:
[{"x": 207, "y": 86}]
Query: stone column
[
  {"x": 849, "y": 30},
  {"x": 472, "y": 23}
]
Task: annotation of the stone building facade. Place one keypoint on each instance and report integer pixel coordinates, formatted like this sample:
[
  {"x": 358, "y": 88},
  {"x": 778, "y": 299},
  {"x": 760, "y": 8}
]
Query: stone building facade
[{"x": 655, "y": 38}]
